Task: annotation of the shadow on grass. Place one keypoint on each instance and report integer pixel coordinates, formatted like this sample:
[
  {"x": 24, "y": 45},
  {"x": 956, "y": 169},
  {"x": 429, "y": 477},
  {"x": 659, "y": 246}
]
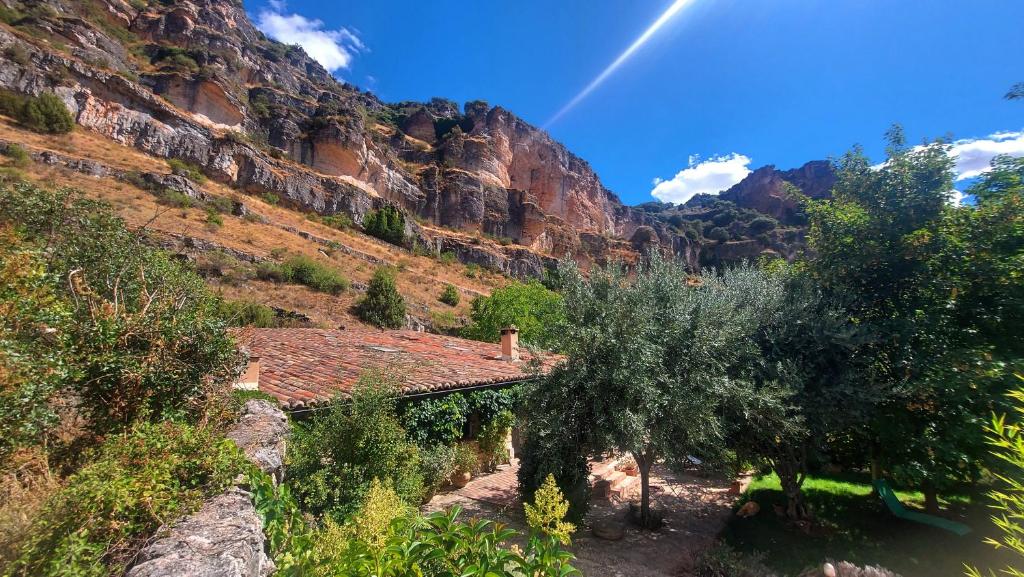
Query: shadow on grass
[{"x": 853, "y": 525}]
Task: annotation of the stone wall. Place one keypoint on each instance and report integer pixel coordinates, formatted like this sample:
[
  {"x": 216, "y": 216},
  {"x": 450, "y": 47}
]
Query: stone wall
[{"x": 224, "y": 538}]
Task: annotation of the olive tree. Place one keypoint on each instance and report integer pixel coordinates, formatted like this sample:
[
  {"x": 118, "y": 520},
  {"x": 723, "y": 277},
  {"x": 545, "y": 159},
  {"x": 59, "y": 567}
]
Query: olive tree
[{"x": 648, "y": 359}]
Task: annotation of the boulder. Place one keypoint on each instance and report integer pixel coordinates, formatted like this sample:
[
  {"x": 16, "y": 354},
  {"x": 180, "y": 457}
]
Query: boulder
[{"x": 262, "y": 434}]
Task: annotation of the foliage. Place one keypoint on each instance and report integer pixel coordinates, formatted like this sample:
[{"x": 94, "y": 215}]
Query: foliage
[
  {"x": 761, "y": 225},
  {"x": 45, "y": 113},
  {"x": 804, "y": 367},
  {"x": 138, "y": 481},
  {"x": 556, "y": 447},
  {"x": 491, "y": 439},
  {"x": 533, "y": 309},
  {"x": 32, "y": 342},
  {"x": 435, "y": 421},
  {"x": 438, "y": 466},
  {"x": 145, "y": 339},
  {"x": 436, "y": 545},
  {"x": 18, "y": 155},
  {"x": 548, "y": 512},
  {"x": 1007, "y": 440},
  {"x": 387, "y": 224},
  {"x": 724, "y": 561},
  {"x": 338, "y": 221},
  {"x": 939, "y": 288},
  {"x": 186, "y": 169},
  {"x": 382, "y": 306},
  {"x": 719, "y": 234},
  {"x": 304, "y": 270},
  {"x": 647, "y": 367},
  {"x": 333, "y": 458},
  {"x": 450, "y": 296},
  {"x": 466, "y": 459}
]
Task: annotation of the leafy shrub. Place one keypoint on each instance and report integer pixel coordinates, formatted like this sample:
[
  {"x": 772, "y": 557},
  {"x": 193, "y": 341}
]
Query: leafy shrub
[
  {"x": 270, "y": 198},
  {"x": 334, "y": 458},
  {"x": 547, "y": 513},
  {"x": 338, "y": 221},
  {"x": 45, "y": 113},
  {"x": 10, "y": 15},
  {"x": 301, "y": 269},
  {"x": 382, "y": 306},
  {"x": 554, "y": 453},
  {"x": 317, "y": 276},
  {"x": 535, "y": 310},
  {"x": 387, "y": 224},
  {"x": 492, "y": 435},
  {"x": 145, "y": 338},
  {"x": 444, "y": 321},
  {"x": 450, "y": 296},
  {"x": 438, "y": 466},
  {"x": 32, "y": 360},
  {"x": 718, "y": 234},
  {"x": 15, "y": 53},
  {"x": 248, "y": 313},
  {"x": 186, "y": 169},
  {"x": 472, "y": 270},
  {"x": 466, "y": 459},
  {"x": 152, "y": 474},
  {"x": 761, "y": 225},
  {"x": 435, "y": 421},
  {"x": 213, "y": 219},
  {"x": 447, "y": 257}
]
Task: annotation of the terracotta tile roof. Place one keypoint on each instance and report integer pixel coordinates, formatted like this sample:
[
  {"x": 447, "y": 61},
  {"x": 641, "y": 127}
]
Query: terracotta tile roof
[{"x": 307, "y": 367}]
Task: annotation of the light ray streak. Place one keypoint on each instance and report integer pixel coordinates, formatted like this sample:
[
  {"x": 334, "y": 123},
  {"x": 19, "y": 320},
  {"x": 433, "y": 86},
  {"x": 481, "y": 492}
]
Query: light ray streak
[{"x": 651, "y": 30}]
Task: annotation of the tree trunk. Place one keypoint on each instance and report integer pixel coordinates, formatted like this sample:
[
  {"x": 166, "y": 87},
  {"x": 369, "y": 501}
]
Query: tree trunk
[
  {"x": 643, "y": 462},
  {"x": 796, "y": 508},
  {"x": 876, "y": 468},
  {"x": 931, "y": 497}
]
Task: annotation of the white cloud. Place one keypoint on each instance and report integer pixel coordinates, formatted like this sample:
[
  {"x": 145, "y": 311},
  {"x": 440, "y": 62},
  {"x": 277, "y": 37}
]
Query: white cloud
[
  {"x": 708, "y": 177},
  {"x": 333, "y": 49},
  {"x": 974, "y": 155}
]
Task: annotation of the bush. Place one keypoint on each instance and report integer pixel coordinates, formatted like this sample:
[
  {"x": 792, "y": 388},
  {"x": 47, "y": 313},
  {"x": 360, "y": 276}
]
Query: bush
[
  {"x": 466, "y": 459},
  {"x": 382, "y": 306},
  {"x": 145, "y": 339},
  {"x": 535, "y": 310},
  {"x": 387, "y": 224},
  {"x": 186, "y": 169},
  {"x": 761, "y": 225},
  {"x": 45, "y": 113},
  {"x": 447, "y": 258},
  {"x": 317, "y": 276},
  {"x": 248, "y": 314},
  {"x": 270, "y": 198},
  {"x": 493, "y": 451},
  {"x": 301, "y": 269},
  {"x": 152, "y": 474},
  {"x": 718, "y": 234},
  {"x": 438, "y": 466},
  {"x": 213, "y": 219},
  {"x": 338, "y": 221},
  {"x": 334, "y": 458},
  {"x": 450, "y": 296},
  {"x": 553, "y": 453}
]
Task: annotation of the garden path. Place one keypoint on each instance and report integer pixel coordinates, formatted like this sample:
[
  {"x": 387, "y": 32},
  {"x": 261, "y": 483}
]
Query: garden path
[{"x": 696, "y": 509}]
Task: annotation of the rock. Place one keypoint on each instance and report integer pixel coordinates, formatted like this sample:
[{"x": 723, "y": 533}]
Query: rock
[
  {"x": 262, "y": 434},
  {"x": 223, "y": 539},
  {"x": 176, "y": 183},
  {"x": 608, "y": 530},
  {"x": 420, "y": 125}
]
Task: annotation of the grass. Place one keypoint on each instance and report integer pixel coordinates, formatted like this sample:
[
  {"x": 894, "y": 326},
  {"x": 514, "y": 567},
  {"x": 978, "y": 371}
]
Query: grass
[{"x": 854, "y": 526}]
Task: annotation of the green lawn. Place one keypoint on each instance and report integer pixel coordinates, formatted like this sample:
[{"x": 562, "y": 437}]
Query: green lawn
[{"x": 854, "y": 526}]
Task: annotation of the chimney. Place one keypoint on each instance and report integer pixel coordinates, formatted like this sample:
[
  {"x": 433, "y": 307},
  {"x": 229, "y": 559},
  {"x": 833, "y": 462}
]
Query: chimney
[
  {"x": 250, "y": 379},
  {"x": 510, "y": 344}
]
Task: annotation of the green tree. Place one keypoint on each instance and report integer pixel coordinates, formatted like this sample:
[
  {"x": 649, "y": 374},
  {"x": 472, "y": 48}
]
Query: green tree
[
  {"x": 382, "y": 306},
  {"x": 47, "y": 113},
  {"x": 387, "y": 224},
  {"x": 915, "y": 270},
  {"x": 647, "y": 361},
  {"x": 533, "y": 309},
  {"x": 803, "y": 369}
]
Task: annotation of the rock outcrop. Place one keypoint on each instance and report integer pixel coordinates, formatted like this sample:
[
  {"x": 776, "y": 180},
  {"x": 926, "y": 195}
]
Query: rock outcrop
[
  {"x": 202, "y": 84},
  {"x": 224, "y": 538}
]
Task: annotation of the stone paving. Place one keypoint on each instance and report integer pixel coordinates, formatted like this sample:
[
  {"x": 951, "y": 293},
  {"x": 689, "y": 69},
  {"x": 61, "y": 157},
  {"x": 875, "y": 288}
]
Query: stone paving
[{"x": 696, "y": 509}]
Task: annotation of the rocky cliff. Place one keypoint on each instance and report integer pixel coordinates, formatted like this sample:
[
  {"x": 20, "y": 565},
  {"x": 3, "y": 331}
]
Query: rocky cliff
[{"x": 196, "y": 81}]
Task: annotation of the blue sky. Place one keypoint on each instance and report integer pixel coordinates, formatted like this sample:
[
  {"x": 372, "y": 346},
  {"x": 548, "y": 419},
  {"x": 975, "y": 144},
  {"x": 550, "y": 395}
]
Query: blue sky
[{"x": 721, "y": 87}]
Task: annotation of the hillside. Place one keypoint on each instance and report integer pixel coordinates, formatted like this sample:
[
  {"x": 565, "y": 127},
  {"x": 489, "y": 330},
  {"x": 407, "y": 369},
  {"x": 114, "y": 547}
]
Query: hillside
[{"x": 196, "y": 82}]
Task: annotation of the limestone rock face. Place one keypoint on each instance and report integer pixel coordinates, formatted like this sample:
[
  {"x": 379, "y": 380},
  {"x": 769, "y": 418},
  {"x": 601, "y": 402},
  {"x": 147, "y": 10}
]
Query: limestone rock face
[
  {"x": 768, "y": 190},
  {"x": 209, "y": 88},
  {"x": 223, "y": 539},
  {"x": 262, "y": 434}
]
